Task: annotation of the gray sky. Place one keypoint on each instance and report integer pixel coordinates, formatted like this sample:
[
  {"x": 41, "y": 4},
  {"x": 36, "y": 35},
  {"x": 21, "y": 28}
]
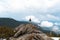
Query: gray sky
[{"x": 47, "y": 11}]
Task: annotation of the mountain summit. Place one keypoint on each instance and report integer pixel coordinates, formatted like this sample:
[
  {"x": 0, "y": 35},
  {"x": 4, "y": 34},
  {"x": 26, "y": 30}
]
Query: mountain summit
[
  {"x": 29, "y": 32},
  {"x": 10, "y": 22}
]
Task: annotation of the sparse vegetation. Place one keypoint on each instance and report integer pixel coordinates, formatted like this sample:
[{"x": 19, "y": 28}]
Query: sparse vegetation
[
  {"x": 52, "y": 34},
  {"x": 6, "y": 32}
]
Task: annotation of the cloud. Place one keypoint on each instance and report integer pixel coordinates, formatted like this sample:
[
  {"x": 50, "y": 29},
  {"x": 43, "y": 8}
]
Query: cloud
[
  {"x": 15, "y": 8},
  {"x": 52, "y": 17},
  {"x": 33, "y": 18},
  {"x": 55, "y": 28},
  {"x": 57, "y": 24},
  {"x": 46, "y": 24},
  {"x": 25, "y": 4},
  {"x": 2, "y": 8},
  {"x": 49, "y": 17},
  {"x": 32, "y": 3}
]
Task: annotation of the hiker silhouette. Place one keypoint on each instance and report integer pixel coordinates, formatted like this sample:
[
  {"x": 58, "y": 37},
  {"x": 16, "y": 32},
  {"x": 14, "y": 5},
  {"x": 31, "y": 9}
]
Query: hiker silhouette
[{"x": 30, "y": 19}]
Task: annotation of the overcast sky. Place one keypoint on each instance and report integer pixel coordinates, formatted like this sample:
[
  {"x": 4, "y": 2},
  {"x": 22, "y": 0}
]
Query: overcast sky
[{"x": 47, "y": 11}]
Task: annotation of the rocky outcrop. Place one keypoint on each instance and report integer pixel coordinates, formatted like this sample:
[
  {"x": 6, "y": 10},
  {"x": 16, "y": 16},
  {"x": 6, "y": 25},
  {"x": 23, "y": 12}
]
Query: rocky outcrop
[{"x": 29, "y": 32}]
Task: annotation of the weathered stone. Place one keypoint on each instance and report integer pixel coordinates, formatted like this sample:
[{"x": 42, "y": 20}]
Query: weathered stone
[{"x": 29, "y": 32}]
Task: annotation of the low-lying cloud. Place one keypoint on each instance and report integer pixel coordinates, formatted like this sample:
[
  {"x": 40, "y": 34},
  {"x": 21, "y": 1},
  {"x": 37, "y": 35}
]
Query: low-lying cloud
[
  {"x": 46, "y": 24},
  {"x": 33, "y": 18}
]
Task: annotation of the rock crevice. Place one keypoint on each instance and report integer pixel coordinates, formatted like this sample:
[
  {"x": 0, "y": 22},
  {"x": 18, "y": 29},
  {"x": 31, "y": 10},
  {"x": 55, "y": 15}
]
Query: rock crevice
[{"x": 29, "y": 32}]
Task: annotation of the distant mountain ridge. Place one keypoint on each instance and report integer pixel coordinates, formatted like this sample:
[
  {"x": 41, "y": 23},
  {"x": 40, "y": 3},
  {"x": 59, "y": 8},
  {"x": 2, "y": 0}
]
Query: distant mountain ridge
[{"x": 10, "y": 22}]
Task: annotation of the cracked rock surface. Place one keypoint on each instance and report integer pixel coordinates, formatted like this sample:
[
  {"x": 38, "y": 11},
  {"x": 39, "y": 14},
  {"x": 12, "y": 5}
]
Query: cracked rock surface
[{"x": 29, "y": 32}]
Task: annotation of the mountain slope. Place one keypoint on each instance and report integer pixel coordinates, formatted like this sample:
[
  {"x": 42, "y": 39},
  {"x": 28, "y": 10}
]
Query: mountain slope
[
  {"x": 12, "y": 23},
  {"x": 9, "y": 22}
]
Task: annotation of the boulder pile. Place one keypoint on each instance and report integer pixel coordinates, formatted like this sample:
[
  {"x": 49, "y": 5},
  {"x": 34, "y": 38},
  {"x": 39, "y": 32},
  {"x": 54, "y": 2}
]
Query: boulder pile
[{"x": 28, "y": 32}]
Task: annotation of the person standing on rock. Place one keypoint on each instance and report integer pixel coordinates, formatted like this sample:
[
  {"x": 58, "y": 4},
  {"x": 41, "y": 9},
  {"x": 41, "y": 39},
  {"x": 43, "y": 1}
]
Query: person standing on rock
[{"x": 30, "y": 19}]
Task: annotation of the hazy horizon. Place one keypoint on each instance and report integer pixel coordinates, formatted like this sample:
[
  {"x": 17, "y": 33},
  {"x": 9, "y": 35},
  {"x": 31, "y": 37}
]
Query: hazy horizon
[{"x": 45, "y": 12}]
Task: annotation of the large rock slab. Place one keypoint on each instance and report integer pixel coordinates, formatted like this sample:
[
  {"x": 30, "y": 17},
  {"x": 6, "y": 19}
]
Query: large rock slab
[{"x": 29, "y": 32}]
